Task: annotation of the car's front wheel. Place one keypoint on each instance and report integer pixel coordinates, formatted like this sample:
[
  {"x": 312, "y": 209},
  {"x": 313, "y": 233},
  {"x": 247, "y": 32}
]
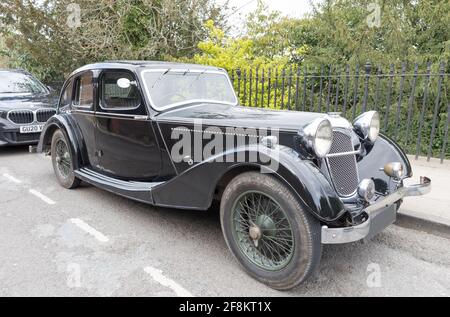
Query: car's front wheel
[
  {"x": 62, "y": 161},
  {"x": 267, "y": 230}
]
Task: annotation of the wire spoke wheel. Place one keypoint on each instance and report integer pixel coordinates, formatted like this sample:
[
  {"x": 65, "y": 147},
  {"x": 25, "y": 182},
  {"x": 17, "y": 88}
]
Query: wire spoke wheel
[
  {"x": 262, "y": 231},
  {"x": 63, "y": 158}
]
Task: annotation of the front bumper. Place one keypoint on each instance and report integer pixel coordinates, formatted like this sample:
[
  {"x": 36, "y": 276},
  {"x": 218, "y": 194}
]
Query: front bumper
[
  {"x": 10, "y": 134},
  {"x": 381, "y": 214},
  {"x": 14, "y": 137}
]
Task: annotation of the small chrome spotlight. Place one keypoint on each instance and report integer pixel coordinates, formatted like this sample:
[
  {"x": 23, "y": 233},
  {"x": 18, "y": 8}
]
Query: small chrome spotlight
[
  {"x": 269, "y": 141},
  {"x": 394, "y": 169},
  {"x": 366, "y": 189}
]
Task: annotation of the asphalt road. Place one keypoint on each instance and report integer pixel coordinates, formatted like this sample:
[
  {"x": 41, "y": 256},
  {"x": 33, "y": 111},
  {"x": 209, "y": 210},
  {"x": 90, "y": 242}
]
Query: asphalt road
[{"x": 88, "y": 242}]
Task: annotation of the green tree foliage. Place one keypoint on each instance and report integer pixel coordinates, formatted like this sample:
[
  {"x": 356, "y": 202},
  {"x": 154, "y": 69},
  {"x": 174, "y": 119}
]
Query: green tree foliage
[
  {"x": 227, "y": 52},
  {"x": 343, "y": 32},
  {"x": 44, "y": 37},
  {"x": 3, "y": 58},
  {"x": 407, "y": 31}
]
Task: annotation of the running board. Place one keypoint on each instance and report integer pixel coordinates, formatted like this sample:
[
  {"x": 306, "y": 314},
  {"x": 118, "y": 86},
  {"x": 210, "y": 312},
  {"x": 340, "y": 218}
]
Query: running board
[{"x": 140, "y": 191}]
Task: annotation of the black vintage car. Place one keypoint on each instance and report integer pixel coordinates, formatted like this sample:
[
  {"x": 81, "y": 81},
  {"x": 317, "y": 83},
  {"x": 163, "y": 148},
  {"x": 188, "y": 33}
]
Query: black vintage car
[
  {"x": 174, "y": 135},
  {"x": 25, "y": 105}
]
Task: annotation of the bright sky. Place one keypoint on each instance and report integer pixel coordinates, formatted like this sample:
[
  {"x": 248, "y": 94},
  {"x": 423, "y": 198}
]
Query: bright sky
[{"x": 293, "y": 8}]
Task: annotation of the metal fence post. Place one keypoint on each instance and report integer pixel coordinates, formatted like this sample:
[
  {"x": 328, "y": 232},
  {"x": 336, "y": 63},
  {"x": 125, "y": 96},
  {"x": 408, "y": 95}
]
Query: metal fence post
[
  {"x": 436, "y": 109},
  {"x": 444, "y": 145},
  {"x": 245, "y": 87},
  {"x": 269, "y": 82},
  {"x": 422, "y": 111},
  {"x": 355, "y": 92},
  {"x": 256, "y": 88},
  {"x": 276, "y": 87},
  {"x": 347, "y": 78},
  {"x": 320, "y": 89},
  {"x": 377, "y": 89},
  {"x": 368, "y": 69},
  {"x": 297, "y": 87},
  {"x": 250, "y": 88},
  {"x": 305, "y": 74},
  {"x": 399, "y": 104},
  {"x": 329, "y": 87},
  {"x": 338, "y": 80},
  {"x": 411, "y": 102},
  {"x": 388, "y": 98}
]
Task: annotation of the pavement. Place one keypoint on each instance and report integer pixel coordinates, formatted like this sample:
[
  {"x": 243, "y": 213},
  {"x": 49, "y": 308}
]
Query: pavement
[
  {"x": 433, "y": 207},
  {"x": 89, "y": 242}
]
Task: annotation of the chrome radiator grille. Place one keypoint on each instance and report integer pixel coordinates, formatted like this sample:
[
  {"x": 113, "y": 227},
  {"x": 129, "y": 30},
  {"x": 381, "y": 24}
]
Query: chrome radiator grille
[
  {"x": 343, "y": 169},
  {"x": 21, "y": 116}
]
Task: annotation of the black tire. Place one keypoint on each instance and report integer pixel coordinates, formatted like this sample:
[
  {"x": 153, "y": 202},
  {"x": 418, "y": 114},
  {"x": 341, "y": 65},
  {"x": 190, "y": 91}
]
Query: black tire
[
  {"x": 66, "y": 179},
  {"x": 306, "y": 231}
]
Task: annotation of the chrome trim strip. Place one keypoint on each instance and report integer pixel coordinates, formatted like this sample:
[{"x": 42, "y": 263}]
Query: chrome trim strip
[
  {"x": 346, "y": 234},
  {"x": 361, "y": 231},
  {"x": 343, "y": 153},
  {"x": 413, "y": 190},
  {"x": 80, "y": 111},
  {"x": 121, "y": 115}
]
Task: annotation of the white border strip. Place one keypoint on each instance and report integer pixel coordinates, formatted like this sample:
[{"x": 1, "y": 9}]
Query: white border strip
[
  {"x": 87, "y": 228},
  {"x": 12, "y": 178},
  {"x": 167, "y": 282},
  {"x": 41, "y": 196}
]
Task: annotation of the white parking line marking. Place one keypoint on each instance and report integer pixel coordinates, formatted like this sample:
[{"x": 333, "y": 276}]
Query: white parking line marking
[
  {"x": 165, "y": 281},
  {"x": 12, "y": 178},
  {"x": 41, "y": 196},
  {"x": 84, "y": 226}
]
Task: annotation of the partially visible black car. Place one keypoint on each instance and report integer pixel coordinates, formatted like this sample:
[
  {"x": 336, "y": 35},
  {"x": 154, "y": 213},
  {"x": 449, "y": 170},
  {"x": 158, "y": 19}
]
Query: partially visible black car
[{"x": 25, "y": 105}]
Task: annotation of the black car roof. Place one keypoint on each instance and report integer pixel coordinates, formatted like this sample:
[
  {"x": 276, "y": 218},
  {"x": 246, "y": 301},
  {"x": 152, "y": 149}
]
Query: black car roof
[{"x": 133, "y": 65}]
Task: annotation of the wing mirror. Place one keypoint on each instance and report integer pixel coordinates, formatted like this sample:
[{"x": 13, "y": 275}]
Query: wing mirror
[{"x": 125, "y": 83}]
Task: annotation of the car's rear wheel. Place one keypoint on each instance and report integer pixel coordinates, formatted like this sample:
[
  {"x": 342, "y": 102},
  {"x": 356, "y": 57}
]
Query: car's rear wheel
[
  {"x": 62, "y": 161},
  {"x": 267, "y": 230}
]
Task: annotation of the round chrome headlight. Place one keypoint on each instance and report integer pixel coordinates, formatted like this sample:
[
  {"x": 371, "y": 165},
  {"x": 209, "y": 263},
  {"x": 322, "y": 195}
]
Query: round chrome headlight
[
  {"x": 319, "y": 136},
  {"x": 367, "y": 125}
]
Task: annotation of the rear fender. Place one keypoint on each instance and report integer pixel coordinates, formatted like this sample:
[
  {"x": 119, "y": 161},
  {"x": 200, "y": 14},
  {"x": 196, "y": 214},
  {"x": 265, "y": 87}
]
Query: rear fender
[{"x": 71, "y": 133}]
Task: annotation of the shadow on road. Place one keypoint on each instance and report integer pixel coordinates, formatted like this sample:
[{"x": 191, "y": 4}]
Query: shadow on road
[{"x": 6, "y": 151}]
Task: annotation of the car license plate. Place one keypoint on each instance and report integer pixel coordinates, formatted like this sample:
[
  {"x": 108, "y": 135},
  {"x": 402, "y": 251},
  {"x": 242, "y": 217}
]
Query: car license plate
[{"x": 31, "y": 128}]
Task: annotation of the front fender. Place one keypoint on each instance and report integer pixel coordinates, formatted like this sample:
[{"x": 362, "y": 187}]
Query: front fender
[
  {"x": 195, "y": 187},
  {"x": 63, "y": 123},
  {"x": 384, "y": 151}
]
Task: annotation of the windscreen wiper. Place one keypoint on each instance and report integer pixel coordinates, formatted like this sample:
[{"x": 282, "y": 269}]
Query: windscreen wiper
[{"x": 160, "y": 77}]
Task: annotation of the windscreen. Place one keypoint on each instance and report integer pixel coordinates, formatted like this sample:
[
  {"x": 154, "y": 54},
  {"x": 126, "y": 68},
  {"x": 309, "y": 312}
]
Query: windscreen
[
  {"x": 170, "y": 88},
  {"x": 18, "y": 83}
]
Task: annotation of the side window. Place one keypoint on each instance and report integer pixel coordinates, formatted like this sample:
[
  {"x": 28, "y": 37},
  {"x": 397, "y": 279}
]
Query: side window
[
  {"x": 84, "y": 91},
  {"x": 66, "y": 96},
  {"x": 117, "y": 98}
]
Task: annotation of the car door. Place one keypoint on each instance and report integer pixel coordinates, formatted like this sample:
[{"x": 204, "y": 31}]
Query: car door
[
  {"x": 125, "y": 137},
  {"x": 81, "y": 88}
]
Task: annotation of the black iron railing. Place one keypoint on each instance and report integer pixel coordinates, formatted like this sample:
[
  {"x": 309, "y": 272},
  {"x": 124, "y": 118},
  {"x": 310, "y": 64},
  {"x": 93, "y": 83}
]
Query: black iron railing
[{"x": 413, "y": 102}]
